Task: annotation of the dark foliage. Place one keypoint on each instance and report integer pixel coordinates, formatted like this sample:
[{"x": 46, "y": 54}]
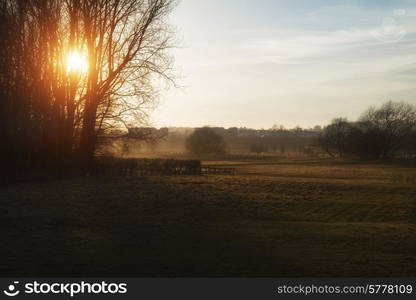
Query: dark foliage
[
  {"x": 50, "y": 112},
  {"x": 100, "y": 166},
  {"x": 380, "y": 133},
  {"x": 205, "y": 141},
  {"x": 258, "y": 147}
]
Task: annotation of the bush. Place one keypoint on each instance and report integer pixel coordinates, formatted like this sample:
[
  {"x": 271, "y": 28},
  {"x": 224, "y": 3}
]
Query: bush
[
  {"x": 99, "y": 166},
  {"x": 333, "y": 139},
  {"x": 205, "y": 141},
  {"x": 380, "y": 133}
]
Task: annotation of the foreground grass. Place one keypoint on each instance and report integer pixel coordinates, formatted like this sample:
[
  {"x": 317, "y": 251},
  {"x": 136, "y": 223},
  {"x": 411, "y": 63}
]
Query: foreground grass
[{"x": 275, "y": 218}]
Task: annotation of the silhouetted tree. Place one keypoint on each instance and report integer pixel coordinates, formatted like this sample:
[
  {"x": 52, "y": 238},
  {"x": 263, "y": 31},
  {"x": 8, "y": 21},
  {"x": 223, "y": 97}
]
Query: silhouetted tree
[
  {"x": 205, "y": 141},
  {"x": 388, "y": 126},
  {"x": 258, "y": 147},
  {"x": 126, "y": 42},
  {"x": 334, "y": 137},
  {"x": 48, "y": 111},
  {"x": 380, "y": 132}
]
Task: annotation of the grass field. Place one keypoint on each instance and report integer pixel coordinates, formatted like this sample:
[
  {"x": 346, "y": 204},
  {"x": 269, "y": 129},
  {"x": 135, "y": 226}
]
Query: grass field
[{"x": 274, "y": 218}]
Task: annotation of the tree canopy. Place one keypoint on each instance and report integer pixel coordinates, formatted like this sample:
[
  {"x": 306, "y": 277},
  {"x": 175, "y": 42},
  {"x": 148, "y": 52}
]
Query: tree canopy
[
  {"x": 205, "y": 141},
  {"x": 71, "y": 69}
]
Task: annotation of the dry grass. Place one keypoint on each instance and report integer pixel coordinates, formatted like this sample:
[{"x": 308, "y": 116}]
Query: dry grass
[{"x": 275, "y": 218}]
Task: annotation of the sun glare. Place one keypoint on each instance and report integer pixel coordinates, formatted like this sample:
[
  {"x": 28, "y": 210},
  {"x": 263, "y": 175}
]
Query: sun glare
[{"x": 76, "y": 62}]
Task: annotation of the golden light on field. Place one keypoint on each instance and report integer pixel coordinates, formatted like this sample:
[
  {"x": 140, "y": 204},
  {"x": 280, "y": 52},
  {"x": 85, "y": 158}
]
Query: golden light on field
[{"x": 76, "y": 62}]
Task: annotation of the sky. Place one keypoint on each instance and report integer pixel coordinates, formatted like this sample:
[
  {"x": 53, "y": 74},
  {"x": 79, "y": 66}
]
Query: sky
[{"x": 302, "y": 63}]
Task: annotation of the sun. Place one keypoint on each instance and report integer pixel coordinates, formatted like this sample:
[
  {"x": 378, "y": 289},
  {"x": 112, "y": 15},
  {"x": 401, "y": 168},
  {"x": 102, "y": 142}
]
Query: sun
[{"x": 76, "y": 62}]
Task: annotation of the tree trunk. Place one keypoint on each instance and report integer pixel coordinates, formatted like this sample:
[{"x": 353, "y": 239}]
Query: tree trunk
[{"x": 87, "y": 143}]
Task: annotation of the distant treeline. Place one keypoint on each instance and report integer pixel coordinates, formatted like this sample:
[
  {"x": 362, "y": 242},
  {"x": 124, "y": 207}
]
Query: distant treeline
[
  {"x": 217, "y": 140},
  {"x": 385, "y": 132}
]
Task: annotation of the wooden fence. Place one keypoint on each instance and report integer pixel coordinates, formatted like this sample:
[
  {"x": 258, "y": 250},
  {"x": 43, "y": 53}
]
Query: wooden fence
[
  {"x": 217, "y": 171},
  {"x": 109, "y": 166}
]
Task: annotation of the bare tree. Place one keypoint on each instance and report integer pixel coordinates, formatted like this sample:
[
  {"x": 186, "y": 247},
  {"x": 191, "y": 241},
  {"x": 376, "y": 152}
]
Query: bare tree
[
  {"x": 393, "y": 123},
  {"x": 48, "y": 110},
  {"x": 334, "y": 137},
  {"x": 127, "y": 42},
  {"x": 380, "y": 132}
]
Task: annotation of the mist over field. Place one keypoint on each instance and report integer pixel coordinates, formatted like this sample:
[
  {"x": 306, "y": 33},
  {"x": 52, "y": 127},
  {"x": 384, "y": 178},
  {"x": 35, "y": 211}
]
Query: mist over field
[{"x": 157, "y": 138}]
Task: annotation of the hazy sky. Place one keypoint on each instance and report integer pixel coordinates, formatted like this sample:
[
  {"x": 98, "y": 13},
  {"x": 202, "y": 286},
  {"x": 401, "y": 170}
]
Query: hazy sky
[{"x": 292, "y": 62}]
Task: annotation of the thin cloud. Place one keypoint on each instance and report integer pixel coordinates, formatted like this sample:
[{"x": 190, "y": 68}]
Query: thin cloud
[{"x": 311, "y": 60}]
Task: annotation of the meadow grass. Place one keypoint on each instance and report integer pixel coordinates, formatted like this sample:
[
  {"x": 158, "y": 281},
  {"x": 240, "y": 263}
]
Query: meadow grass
[{"x": 274, "y": 218}]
